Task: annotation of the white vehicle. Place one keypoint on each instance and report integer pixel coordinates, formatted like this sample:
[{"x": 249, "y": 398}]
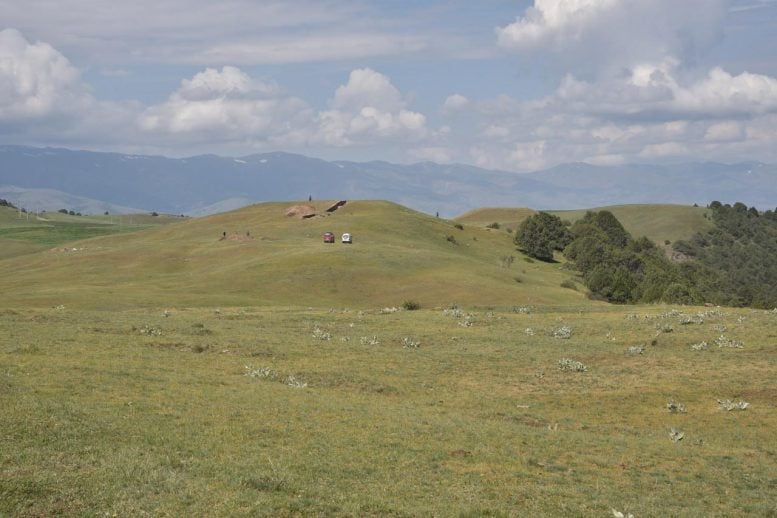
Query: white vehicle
[{"x": 347, "y": 238}]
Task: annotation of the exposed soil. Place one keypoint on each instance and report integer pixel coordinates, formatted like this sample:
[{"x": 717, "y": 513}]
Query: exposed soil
[
  {"x": 300, "y": 211},
  {"x": 336, "y": 205},
  {"x": 237, "y": 237}
]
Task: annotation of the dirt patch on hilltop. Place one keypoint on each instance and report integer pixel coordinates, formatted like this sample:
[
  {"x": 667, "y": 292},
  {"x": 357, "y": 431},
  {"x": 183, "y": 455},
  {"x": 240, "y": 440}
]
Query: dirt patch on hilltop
[
  {"x": 300, "y": 211},
  {"x": 237, "y": 237}
]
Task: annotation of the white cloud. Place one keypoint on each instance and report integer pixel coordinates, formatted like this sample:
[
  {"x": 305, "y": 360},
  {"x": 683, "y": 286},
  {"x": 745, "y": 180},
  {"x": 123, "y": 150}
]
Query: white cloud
[
  {"x": 366, "y": 87},
  {"x": 604, "y": 35},
  {"x": 35, "y": 79},
  {"x": 43, "y": 99},
  {"x": 553, "y": 21},
  {"x": 648, "y": 113},
  {"x": 454, "y": 103},
  {"x": 227, "y": 105},
  {"x": 722, "y": 93},
  {"x": 229, "y": 108},
  {"x": 657, "y": 92},
  {"x": 366, "y": 108},
  {"x": 724, "y": 131}
]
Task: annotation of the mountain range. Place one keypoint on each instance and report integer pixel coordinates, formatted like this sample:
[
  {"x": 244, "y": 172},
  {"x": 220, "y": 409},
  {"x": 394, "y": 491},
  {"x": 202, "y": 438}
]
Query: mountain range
[{"x": 92, "y": 182}]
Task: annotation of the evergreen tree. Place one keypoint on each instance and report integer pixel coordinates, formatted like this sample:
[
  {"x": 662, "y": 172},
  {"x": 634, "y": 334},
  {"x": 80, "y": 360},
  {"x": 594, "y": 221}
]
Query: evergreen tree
[{"x": 541, "y": 234}]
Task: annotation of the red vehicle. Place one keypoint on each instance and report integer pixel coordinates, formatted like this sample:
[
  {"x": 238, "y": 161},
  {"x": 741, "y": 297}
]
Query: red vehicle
[{"x": 329, "y": 237}]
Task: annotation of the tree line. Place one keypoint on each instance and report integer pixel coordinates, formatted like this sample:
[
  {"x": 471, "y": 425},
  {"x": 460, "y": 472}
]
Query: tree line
[{"x": 733, "y": 263}]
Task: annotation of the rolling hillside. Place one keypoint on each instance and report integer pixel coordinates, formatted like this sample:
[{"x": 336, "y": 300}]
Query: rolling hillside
[
  {"x": 506, "y": 217},
  {"x": 26, "y": 233},
  {"x": 271, "y": 259},
  {"x": 660, "y": 223}
]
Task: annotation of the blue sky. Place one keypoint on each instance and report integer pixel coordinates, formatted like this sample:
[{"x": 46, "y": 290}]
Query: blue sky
[{"x": 513, "y": 85}]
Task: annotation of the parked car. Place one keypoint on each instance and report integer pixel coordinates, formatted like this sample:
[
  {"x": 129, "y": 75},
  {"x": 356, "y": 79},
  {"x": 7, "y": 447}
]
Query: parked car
[
  {"x": 347, "y": 238},
  {"x": 329, "y": 237}
]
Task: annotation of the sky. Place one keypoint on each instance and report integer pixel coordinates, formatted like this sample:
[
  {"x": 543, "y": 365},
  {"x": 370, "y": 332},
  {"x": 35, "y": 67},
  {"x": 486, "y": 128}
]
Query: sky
[{"x": 511, "y": 85}]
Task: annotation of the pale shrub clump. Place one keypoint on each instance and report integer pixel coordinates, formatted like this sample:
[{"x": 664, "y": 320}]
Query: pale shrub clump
[{"x": 568, "y": 365}]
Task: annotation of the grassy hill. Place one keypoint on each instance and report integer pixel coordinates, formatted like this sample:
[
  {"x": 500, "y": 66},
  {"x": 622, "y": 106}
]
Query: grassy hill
[
  {"x": 506, "y": 217},
  {"x": 660, "y": 223},
  {"x": 25, "y": 233},
  {"x": 398, "y": 255}
]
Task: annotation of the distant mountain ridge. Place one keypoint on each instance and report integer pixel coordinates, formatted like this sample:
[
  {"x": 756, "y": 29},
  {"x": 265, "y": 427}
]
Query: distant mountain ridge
[{"x": 207, "y": 183}]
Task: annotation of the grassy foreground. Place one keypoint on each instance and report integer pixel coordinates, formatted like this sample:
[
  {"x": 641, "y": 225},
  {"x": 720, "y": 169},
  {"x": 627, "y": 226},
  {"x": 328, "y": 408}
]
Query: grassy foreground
[
  {"x": 196, "y": 369},
  {"x": 279, "y": 411}
]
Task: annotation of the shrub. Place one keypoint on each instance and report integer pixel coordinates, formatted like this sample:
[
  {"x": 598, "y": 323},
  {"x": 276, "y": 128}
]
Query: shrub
[
  {"x": 294, "y": 382},
  {"x": 569, "y": 285},
  {"x": 453, "y": 312},
  {"x": 493, "y": 225},
  {"x": 320, "y": 334},
  {"x": 675, "y": 407},
  {"x": 411, "y": 305},
  {"x": 567, "y": 365},
  {"x": 722, "y": 342},
  {"x": 676, "y": 435},
  {"x": 148, "y": 330},
  {"x": 409, "y": 343},
  {"x": 449, "y": 238},
  {"x": 635, "y": 350},
  {"x": 728, "y": 405},
  {"x": 459, "y": 226},
  {"x": 261, "y": 372}
]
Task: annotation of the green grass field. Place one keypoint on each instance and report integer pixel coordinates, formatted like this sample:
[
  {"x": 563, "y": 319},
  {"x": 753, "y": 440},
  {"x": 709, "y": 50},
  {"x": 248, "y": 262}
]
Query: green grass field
[
  {"x": 505, "y": 217},
  {"x": 270, "y": 411},
  {"x": 397, "y": 255},
  {"x": 22, "y": 233},
  {"x": 168, "y": 372}
]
